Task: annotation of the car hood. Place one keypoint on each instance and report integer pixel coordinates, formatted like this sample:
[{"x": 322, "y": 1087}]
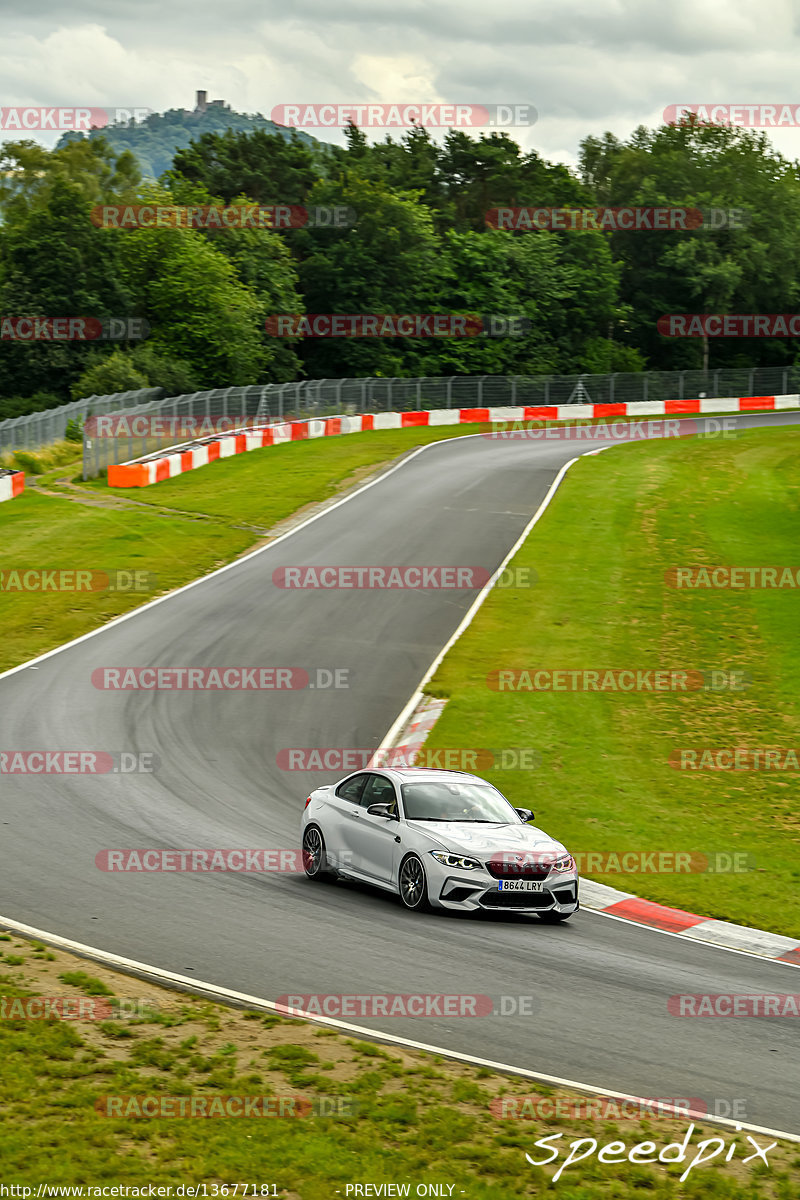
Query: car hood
[{"x": 473, "y": 839}]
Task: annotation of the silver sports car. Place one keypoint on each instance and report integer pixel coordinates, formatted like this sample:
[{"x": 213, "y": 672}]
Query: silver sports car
[{"x": 441, "y": 839}]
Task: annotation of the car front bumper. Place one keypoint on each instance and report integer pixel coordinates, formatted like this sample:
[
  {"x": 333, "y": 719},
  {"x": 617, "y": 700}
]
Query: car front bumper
[{"x": 475, "y": 890}]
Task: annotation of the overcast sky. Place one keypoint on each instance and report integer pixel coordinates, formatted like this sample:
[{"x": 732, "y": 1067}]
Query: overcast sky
[{"x": 586, "y": 65}]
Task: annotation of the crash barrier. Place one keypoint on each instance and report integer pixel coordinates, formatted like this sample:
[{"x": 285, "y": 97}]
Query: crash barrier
[
  {"x": 175, "y": 460},
  {"x": 12, "y": 483}
]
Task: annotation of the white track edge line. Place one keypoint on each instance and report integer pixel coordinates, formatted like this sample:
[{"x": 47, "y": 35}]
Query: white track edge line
[{"x": 238, "y": 998}]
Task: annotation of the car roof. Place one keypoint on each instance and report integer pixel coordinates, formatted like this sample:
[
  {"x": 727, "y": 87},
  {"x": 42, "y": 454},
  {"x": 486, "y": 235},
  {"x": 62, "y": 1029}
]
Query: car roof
[{"x": 426, "y": 774}]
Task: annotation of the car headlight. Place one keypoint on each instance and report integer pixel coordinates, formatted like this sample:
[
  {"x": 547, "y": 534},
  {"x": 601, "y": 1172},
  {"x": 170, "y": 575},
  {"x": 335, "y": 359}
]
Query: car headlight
[
  {"x": 564, "y": 863},
  {"x": 457, "y": 861}
]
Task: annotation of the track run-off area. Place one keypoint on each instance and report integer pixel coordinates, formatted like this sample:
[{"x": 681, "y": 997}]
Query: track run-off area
[{"x": 600, "y": 985}]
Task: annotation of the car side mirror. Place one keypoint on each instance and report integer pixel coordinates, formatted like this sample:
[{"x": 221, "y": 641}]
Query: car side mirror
[
  {"x": 525, "y": 813},
  {"x": 382, "y": 810}
]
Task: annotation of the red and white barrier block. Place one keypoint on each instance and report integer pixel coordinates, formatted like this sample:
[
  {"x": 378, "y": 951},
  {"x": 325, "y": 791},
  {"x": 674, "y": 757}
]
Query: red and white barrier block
[
  {"x": 12, "y": 483},
  {"x": 177, "y": 459}
]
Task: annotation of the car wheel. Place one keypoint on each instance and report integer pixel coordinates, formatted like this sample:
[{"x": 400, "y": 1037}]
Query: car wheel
[
  {"x": 554, "y": 918},
  {"x": 315, "y": 860},
  {"x": 413, "y": 885}
]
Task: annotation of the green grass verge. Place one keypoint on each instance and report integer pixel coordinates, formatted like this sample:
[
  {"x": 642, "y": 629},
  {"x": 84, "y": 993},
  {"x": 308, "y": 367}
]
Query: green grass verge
[
  {"x": 414, "y": 1118},
  {"x": 618, "y": 522}
]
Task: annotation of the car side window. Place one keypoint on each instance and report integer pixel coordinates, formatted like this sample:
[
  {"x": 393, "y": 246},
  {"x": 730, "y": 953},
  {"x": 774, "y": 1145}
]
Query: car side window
[
  {"x": 379, "y": 790},
  {"x": 352, "y": 788}
]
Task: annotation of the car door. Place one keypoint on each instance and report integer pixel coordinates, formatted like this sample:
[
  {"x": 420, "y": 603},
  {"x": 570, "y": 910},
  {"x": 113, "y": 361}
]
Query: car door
[
  {"x": 375, "y": 840},
  {"x": 342, "y": 807}
]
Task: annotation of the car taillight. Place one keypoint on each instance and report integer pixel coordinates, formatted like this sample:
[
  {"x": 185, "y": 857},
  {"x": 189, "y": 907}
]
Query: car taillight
[{"x": 308, "y": 801}]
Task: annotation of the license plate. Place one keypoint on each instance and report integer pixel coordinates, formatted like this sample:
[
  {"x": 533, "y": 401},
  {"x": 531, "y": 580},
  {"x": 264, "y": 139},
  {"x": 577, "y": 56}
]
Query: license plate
[{"x": 519, "y": 885}]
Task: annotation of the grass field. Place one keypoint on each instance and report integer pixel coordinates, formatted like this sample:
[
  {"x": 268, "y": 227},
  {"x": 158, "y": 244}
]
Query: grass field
[
  {"x": 407, "y": 1117},
  {"x": 618, "y": 523}
]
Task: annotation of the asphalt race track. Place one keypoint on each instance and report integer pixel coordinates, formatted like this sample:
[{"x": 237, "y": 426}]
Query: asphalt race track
[{"x": 600, "y": 985}]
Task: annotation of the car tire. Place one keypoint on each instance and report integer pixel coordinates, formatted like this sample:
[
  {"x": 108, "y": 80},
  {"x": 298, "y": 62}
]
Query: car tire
[
  {"x": 412, "y": 884},
  {"x": 554, "y": 918},
  {"x": 315, "y": 858}
]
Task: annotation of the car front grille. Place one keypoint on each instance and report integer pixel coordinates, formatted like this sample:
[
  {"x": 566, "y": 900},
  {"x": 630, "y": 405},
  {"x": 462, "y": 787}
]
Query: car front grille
[{"x": 500, "y": 869}]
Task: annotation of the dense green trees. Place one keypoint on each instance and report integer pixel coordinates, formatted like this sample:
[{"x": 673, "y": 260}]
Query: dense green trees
[{"x": 419, "y": 242}]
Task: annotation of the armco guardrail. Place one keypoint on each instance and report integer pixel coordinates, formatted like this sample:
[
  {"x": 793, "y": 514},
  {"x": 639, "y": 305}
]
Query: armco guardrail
[
  {"x": 277, "y": 402},
  {"x": 188, "y": 456}
]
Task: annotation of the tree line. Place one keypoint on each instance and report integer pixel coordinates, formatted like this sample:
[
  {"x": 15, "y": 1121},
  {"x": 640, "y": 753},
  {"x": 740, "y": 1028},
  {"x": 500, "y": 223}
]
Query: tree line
[{"x": 417, "y": 241}]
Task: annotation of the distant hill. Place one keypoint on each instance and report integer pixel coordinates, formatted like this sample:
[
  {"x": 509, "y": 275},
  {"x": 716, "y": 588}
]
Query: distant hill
[{"x": 155, "y": 140}]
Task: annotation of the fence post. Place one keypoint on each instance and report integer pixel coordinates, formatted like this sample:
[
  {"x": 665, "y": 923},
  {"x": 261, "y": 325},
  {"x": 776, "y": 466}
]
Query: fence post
[
  {"x": 419, "y": 394},
  {"x": 646, "y": 382}
]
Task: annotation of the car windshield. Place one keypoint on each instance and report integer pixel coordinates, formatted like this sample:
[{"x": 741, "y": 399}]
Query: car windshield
[{"x": 440, "y": 801}]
